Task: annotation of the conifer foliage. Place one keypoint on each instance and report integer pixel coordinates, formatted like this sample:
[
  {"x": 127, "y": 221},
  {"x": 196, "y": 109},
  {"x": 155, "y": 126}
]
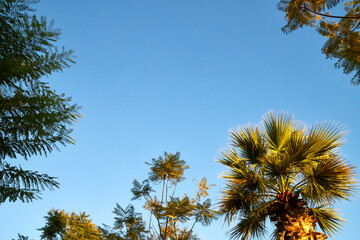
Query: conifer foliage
[
  {"x": 34, "y": 119},
  {"x": 342, "y": 32},
  {"x": 169, "y": 214}
]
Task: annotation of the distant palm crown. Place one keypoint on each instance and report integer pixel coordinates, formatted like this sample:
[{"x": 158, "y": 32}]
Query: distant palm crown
[{"x": 288, "y": 173}]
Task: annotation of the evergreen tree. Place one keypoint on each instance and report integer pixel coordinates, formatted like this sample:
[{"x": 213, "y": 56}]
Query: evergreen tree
[
  {"x": 342, "y": 32},
  {"x": 34, "y": 119},
  {"x": 287, "y": 173}
]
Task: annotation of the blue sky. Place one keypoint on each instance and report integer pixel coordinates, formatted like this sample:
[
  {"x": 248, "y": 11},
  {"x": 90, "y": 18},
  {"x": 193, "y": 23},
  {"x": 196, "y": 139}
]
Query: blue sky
[{"x": 155, "y": 76}]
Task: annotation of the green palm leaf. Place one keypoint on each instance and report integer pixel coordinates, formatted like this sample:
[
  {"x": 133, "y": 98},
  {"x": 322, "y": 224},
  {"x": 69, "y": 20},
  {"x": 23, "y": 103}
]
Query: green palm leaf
[
  {"x": 328, "y": 219},
  {"x": 251, "y": 225}
]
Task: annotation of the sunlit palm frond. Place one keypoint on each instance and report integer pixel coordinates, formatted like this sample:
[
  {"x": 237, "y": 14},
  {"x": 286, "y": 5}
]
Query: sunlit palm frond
[
  {"x": 329, "y": 180},
  {"x": 247, "y": 178},
  {"x": 236, "y": 201},
  {"x": 249, "y": 141},
  {"x": 277, "y": 166},
  {"x": 251, "y": 225},
  {"x": 242, "y": 172},
  {"x": 323, "y": 138},
  {"x": 230, "y": 157},
  {"x": 328, "y": 219},
  {"x": 296, "y": 150},
  {"x": 278, "y": 129}
]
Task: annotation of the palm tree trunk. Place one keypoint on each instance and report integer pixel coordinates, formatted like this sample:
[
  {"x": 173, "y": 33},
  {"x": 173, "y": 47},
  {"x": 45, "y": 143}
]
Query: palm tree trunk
[{"x": 292, "y": 219}]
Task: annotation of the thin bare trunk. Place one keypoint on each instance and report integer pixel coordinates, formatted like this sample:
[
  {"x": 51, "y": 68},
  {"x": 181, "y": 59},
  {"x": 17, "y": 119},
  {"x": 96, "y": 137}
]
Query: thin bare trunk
[
  {"x": 189, "y": 234},
  {"x": 167, "y": 218},
  {"x": 174, "y": 189},
  {"x": 149, "y": 225},
  {"x": 166, "y": 192},
  {"x": 163, "y": 188}
]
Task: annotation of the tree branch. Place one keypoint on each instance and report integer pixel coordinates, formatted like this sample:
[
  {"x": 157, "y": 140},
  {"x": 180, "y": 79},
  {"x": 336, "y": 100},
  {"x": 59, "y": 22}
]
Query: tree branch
[{"x": 330, "y": 16}]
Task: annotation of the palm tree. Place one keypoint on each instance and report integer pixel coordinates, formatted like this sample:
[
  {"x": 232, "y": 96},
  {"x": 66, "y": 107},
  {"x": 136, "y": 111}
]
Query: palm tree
[{"x": 287, "y": 172}]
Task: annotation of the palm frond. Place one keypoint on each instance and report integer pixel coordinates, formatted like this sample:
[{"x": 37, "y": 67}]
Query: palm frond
[
  {"x": 236, "y": 201},
  {"x": 245, "y": 175},
  {"x": 251, "y": 225},
  {"x": 277, "y": 166},
  {"x": 230, "y": 157},
  {"x": 328, "y": 219},
  {"x": 277, "y": 130},
  {"x": 323, "y": 138},
  {"x": 249, "y": 141},
  {"x": 247, "y": 179},
  {"x": 329, "y": 180}
]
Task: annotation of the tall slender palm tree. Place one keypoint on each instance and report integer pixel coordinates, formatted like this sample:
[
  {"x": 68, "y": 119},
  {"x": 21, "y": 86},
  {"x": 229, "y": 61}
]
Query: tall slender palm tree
[{"x": 288, "y": 173}]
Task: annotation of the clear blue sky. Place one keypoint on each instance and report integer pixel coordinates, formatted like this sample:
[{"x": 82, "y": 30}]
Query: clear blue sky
[{"x": 155, "y": 76}]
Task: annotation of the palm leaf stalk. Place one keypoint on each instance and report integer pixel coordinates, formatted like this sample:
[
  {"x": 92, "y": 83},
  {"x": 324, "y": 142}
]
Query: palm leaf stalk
[{"x": 288, "y": 173}]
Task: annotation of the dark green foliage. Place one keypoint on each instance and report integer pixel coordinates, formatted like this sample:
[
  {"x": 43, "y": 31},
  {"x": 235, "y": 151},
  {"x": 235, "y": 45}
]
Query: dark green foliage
[
  {"x": 343, "y": 34},
  {"x": 55, "y": 224},
  {"x": 22, "y": 237},
  {"x": 128, "y": 225},
  {"x": 12, "y": 177},
  {"x": 108, "y": 233},
  {"x": 34, "y": 119},
  {"x": 141, "y": 190}
]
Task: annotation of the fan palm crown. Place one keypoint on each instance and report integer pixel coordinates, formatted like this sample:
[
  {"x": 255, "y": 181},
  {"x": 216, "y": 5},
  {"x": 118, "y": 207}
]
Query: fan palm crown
[{"x": 287, "y": 172}]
